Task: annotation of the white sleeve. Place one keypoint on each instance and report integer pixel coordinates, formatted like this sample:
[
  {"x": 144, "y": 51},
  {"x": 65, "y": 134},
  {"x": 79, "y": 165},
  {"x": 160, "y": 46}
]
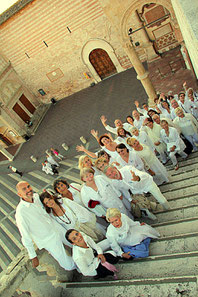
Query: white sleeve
[
  {"x": 138, "y": 162},
  {"x": 94, "y": 245},
  {"x": 98, "y": 209},
  {"x": 25, "y": 235},
  {"x": 87, "y": 270},
  {"x": 114, "y": 244},
  {"x": 111, "y": 129},
  {"x": 83, "y": 214},
  {"x": 141, "y": 110},
  {"x": 176, "y": 137}
]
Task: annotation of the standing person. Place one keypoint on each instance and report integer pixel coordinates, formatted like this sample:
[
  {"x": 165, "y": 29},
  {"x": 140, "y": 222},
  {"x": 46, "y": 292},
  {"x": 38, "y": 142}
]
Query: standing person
[
  {"x": 51, "y": 160},
  {"x": 144, "y": 110},
  {"x": 128, "y": 239},
  {"x": 56, "y": 153},
  {"x": 15, "y": 170},
  {"x": 142, "y": 137},
  {"x": 34, "y": 224},
  {"x": 175, "y": 144},
  {"x": 118, "y": 124},
  {"x": 138, "y": 122},
  {"x": 89, "y": 264}
]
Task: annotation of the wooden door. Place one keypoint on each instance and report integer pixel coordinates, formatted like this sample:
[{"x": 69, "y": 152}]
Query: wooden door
[
  {"x": 27, "y": 104},
  {"x": 5, "y": 140},
  {"x": 102, "y": 63},
  {"x": 21, "y": 113}
]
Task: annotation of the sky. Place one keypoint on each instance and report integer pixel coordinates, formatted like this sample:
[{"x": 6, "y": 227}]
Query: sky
[{"x": 5, "y": 4}]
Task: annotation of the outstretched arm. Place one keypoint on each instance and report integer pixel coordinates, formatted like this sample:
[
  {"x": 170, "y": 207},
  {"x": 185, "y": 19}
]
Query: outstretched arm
[
  {"x": 94, "y": 133},
  {"x": 107, "y": 127},
  {"x": 81, "y": 148}
]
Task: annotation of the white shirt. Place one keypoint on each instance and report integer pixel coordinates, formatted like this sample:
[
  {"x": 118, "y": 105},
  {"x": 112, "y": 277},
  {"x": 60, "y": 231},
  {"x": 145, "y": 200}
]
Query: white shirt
[
  {"x": 138, "y": 123},
  {"x": 133, "y": 160},
  {"x": 34, "y": 224},
  {"x": 107, "y": 195},
  {"x": 172, "y": 140},
  {"x": 136, "y": 187},
  {"x": 84, "y": 257},
  {"x": 143, "y": 138},
  {"x": 130, "y": 233},
  {"x": 188, "y": 124},
  {"x": 113, "y": 130},
  {"x": 75, "y": 189}
]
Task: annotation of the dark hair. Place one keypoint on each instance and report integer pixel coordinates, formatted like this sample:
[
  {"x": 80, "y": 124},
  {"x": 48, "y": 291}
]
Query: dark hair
[
  {"x": 149, "y": 120},
  {"x": 166, "y": 102},
  {"x": 102, "y": 153},
  {"x": 58, "y": 181},
  {"x": 144, "y": 104},
  {"x": 152, "y": 110},
  {"x": 121, "y": 146},
  {"x": 68, "y": 233},
  {"x": 170, "y": 97},
  {"x": 129, "y": 117},
  {"x": 48, "y": 195},
  {"x": 181, "y": 93},
  {"x": 101, "y": 137},
  {"x": 125, "y": 132}
]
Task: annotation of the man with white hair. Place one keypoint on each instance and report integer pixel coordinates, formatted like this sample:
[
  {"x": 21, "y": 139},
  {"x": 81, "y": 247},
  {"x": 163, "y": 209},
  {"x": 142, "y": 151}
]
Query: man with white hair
[
  {"x": 118, "y": 124},
  {"x": 138, "y": 122}
]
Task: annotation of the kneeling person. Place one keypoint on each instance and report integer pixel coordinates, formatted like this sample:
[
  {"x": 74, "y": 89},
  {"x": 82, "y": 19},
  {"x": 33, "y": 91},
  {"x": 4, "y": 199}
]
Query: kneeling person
[{"x": 84, "y": 257}]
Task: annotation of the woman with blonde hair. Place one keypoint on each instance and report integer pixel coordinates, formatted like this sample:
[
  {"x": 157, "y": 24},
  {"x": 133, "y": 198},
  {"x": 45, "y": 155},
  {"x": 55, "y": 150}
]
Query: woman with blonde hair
[
  {"x": 86, "y": 162},
  {"x": 151, "y": 162},
  {"x": 128, "y": 239},
  {"x": 142, "y": 137},
  {"x": 98, "y": 194}
]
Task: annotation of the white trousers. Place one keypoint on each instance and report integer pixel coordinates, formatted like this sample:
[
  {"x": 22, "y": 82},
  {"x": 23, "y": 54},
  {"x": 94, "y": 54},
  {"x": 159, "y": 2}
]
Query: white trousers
[
  {"x": 174, "y": 159},
  {"x": 155, "y": 191},
  {"x": 58, "y": 252}
]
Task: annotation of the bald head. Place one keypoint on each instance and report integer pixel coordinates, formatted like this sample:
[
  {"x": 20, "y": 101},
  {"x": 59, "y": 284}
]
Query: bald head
[
  {"x": 156, "y": 118},
  {"x": 24, "y": 190}
]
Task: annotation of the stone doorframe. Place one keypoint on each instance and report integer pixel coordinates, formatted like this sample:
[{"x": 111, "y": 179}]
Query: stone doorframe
[
  {"x": 139, "y": 3},
  {"x": 92, "y": 44}
]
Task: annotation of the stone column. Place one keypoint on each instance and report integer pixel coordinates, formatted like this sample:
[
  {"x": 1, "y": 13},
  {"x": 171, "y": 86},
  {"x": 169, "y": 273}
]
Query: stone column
[
  {"x": 142, "y": 74},
  {"x": 6, "y": 153}
]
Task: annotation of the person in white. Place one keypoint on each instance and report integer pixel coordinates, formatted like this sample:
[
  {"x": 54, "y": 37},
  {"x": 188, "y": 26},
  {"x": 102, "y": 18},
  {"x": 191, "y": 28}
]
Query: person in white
[
  {"x": 51, "y": 161},
  {"x": 142, "y": 137},
  {"x": 127, "y": 157},
  {"x": 122, "y": 136},
  {"x": 118, "y": 124},
  {"x": 47, "y": 168},
  {"x": 184, "y": 102},
  {"x": 193, "y": 105},
  {"x": 35, "y": 225},
  {"x": 153, "y": 130},
  {"x": 69, "y": 215},
  {"x": 175, "y": 144},
  {"x": 128, "y": 238},
  {"x": 188, "y": 125},
  {"x": 69, "y": 191},
  {"x": 151, "y": 162},
  {"x": 98, "y": 194},
  {"x": 144, "y": 110},
  {"x": 157, "y": 119},
  {"x": 174, "y": 105},
  {"x": 139, "y": 182},
  {"x": 15, "y": 170},
  {"x": 83, "y": 255},
  {"x": 165, "y": 109},
  {"x": 138, "y": 122},
  {"x": 145, "y": 206}
]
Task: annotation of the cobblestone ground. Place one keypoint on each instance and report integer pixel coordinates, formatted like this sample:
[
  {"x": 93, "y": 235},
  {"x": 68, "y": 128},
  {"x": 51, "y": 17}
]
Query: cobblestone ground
[{"x": 76, "y": 115}]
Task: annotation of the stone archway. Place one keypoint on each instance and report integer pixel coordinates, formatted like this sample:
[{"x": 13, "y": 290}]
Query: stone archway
[{"x": 103, "y": 45}]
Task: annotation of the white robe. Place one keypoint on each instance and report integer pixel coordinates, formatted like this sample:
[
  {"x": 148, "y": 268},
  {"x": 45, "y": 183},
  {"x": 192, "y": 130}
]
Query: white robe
[
  {"x": 133, "y": 160},
  {"x": 126, "y": 126},
  {"x": 130, "y": 233},
  {"x": 75, "y": 189},
  {"x": 154, "y": 135},
  {"x": 152, "y": 162},
  {"x": 172, "y": 140},
  {"x": 107, "y": 195},
  {"x": 188, "y": 124},
  {"x": 139, "y": 123},
  {"x": 143, "y": 138}
]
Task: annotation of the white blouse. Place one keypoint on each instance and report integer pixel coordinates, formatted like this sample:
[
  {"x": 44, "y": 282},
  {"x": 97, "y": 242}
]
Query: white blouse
[
  {"x": 133, "y": 160},
  {"x": 188, "y": 124},
  {"x": 173, "y": 139},
  {"x": 130, "y": 233}
]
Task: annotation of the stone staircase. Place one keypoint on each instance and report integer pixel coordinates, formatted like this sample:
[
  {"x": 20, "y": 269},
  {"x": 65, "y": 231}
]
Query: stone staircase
[{"x": 171, "y": 269}]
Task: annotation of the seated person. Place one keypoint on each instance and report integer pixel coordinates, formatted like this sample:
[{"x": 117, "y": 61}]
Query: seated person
[
  {"x": 128, "y": 238},
  {"x": 85, "y": 258}
]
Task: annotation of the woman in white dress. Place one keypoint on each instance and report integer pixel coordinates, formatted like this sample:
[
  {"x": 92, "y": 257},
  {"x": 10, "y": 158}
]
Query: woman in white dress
[
  {"x": 128, "y": 239},
  {"x": 69, "y": 191},
  {"x": 142, "y": 137},
  {"x": 127, "y": 157},
  {"x": 175, "y": 144},
  {"x": 153, "y": 130},
  {"x": 188, "y": 126},
  {"x": 122, "y": 136},
  {"x": 98, "y": 194},
  {"x": 69, "y": 215},
  {"x": 165, "y": 109},
  {"x": 151, "y": 162}
]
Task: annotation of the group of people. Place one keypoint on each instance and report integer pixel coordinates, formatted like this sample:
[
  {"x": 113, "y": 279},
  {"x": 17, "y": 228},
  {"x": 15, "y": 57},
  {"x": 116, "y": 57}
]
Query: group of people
[
  {"x": 98, "y": 222},
  {"x": 50, "y": 165}
]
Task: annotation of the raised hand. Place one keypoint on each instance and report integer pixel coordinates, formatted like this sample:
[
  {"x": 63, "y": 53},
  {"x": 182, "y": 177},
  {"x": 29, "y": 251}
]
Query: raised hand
[
  {"x": 136, "y": 103},
  {"x": 103, "y": 120},
  {"x": 94, "y": 133},
  {"x": 80, "y": 148},
  {"x": 134, "y": 177}
]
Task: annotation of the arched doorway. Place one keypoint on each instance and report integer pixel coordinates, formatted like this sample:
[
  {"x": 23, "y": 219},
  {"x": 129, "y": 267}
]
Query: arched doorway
[{"x": 102, "y": 63}]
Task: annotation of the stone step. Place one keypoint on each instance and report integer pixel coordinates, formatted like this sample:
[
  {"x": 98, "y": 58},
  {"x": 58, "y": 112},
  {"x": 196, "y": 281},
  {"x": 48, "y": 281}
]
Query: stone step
[
  {"x": 177, "y": 227},
  {"x": 179, "y": 184},
  {"x": 181, "y": 170},
  {"x": 179, "y": 202},
  {"x": 181, "y": 193},
  {"x": 152, "y": 287},
  {"x": 182, "y": 163},
  {"x": 27, "y": 178},
  {"x": 169, "y": 265},
  {"x": 45, "y": 177},
  {"x": 70, "y": 163},
  {"x": 182, "y": 212},
  {"x": 183, "y": 176}
]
